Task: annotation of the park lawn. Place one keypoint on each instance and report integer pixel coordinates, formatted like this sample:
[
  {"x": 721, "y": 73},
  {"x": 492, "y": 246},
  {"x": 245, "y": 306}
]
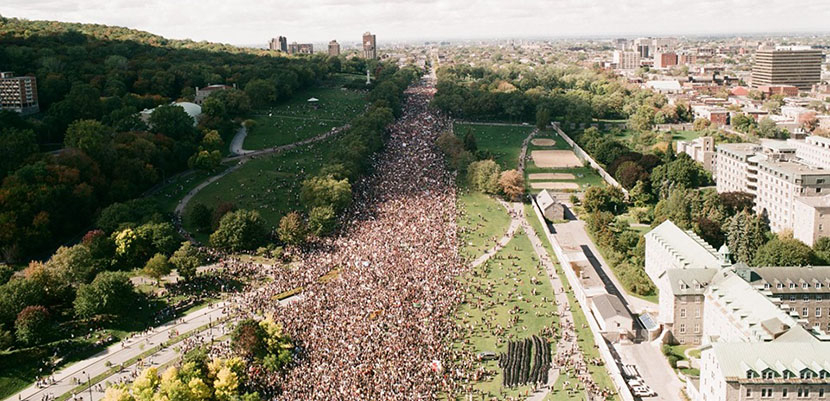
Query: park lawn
[
  {"x": 503, "y": 142},
  {"x": 685, "y": 135},
  {"x": 296, "y": 119},
  {"x": 168, "y": 196},
  {"x": 268, "y": 184},
  {"x": 583, "y": 332},
  {"x": 483, "y": 219},
  {"x": 548, "y": 134},
  {"x": 509, "y": 273}
]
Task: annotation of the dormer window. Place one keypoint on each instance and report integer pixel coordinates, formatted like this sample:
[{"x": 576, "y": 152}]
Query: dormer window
[
  {"x": 750, "y": 374},
  {"x": 768, "y": 374},
  {"x": 766, "y": 286},
  {"x": 818, "y": 285},
  {"x": 822, "y": 374},
  {"x": 779, "y": 286},
  {"x": 788, "y": 374},
  {"x": 792, "y": 286},
  {"x": 806, "y": 374},
  {"x": 805, "y": 286},
  {"x": 683, "y": 286}
]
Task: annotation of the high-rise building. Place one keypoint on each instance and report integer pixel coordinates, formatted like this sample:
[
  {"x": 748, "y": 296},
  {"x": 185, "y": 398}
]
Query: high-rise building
[
  {"x": 370, "y": 50},
  {"x": 334, "y": 48},
  {"x": 301, "y": 48},
  {"x": 665, "y": 60},
  {"x": 278, "y": 44},
  {"x": 626, "y": 60},
  {"x": 18, "y": 93},
  {"x": 799, "y": 66}
]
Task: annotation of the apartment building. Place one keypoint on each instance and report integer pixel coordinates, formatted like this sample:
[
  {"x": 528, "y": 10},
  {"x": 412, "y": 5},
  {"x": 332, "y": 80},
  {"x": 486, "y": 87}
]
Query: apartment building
[
  {"x": 813, "y": 150},
  {"x": 681, "y": 265},
  {"x": 626, "y": 60},
  {"x": 334, "y": 48},
  {"x": 18, "y": 94},
  {"x": 370, "y": 43},
  {"x": 736, "y": 167},
  {"x": 799, "y": 66},
  {"x": 278, "y": 44},
  {"x": 300, "y": 48},
  {"x": 812, "y": 218},
  {"x": 780, "y": 182}
]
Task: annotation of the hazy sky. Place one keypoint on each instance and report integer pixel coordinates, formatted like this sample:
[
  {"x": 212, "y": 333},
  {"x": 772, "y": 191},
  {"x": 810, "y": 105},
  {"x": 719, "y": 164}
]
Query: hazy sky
[{"x": 253, "y": 22}]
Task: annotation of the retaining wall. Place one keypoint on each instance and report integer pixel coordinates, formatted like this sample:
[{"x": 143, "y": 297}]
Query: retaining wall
[{"x": 585, "y": 157}]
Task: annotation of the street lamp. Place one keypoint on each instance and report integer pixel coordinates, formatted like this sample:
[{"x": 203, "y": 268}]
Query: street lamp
[{"x": 88, "y": 383}]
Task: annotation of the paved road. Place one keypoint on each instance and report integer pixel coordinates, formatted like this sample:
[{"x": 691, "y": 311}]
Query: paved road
[
  {"x": 121, "y": 352},
  {"x": 653, "y": 368},
  {"x": 238, "y": 140},
  {"x": 117, "y": 354},
  {"x": 573, "y": 237}
]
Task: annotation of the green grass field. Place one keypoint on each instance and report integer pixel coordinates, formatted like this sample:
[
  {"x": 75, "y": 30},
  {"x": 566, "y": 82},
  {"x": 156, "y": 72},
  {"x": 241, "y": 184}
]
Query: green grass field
[
  {"x": 504, "y": 142},
  {"x": 297, "y": 119},
  {"x": 583, "y": 332},
  {"x": 269, "y": 184},
  {"x": 168, "y": 196},
  {"x": 508, "y": 274},
  {"x": 483, "y": 220}
]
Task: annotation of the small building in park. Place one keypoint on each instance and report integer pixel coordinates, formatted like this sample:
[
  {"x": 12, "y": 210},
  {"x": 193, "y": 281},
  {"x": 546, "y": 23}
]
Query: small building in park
[{"x": 551, "y": 208}]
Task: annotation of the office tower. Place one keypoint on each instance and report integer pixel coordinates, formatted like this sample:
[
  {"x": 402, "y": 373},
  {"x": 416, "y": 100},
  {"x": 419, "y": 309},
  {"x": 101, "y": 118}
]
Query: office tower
[
  {"x": 799, "y": 66},
  {"x": 370, "y": 46},
  {"x": 334, "y": 48},
  {"x": 278, "y": 44},
  {"x": 18, "y": 93}
]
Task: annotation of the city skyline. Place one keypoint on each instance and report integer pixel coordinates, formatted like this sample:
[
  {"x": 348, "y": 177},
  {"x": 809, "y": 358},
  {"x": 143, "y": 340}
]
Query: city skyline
[{"x": 319, "y": 21}]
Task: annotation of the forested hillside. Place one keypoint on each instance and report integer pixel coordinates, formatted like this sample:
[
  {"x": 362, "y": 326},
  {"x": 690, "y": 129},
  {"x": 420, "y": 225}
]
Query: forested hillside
[{"x": 92, "y": 80}]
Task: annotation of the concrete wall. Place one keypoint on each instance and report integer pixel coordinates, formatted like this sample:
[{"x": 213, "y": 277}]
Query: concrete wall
[
  {"x": 604, "y": 351},
  {"x": 585, "y": 157}
]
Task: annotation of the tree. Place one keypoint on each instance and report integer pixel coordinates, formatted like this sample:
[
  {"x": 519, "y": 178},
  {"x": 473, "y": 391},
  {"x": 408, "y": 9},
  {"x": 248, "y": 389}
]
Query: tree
[
  {"x": 205, "y": 160},
  {"x": 701, "y": 124},
  {"x": 484, "y": 176},
  {"x": 200, "y": 217},
  {"x": 157, "y": 267},
  {"x": 822, "y": 249},
  {"x": 783, "y": 252},
  {"x": 186, "y": 259},
  {"x": 512, "y": 184},
  {"x": 91, "y": 137},
  {"x": 326, "y": 191},
  {"x": 16, "y": 145},
  {"x": 629, "y": 173},
  {"x": 172, "y": 121},
  {"x": 212, "y": 141},
  {"x": 111, "y": 293},
  {"x": 76, "y": 263},
  {"x": 642, "y": 119},
  {"x": 542, "y": 118},
  {"x": 292, "y": 229},
  {"x": 261, "y": 92},
  {"x": 221, "y": 210},
  {"x": 117, "y": 393},
  {"x": 607, "y": 199},
  {"x": 33, "y": 325},
  {"x": 745, "y": 233},
  {"x": 161, "y": 237},
  {"x": 239, "y": 231},
  {"x": 470, "y": 143},
  {"x": 768, "y": 129},
  {"x": 322, "y": 220}
]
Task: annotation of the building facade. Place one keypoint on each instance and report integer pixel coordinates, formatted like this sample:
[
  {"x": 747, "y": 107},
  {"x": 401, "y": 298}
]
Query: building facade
[
  {"x": 203, "y": 93},
  {"x": 370, "y": 50},
  {"x": 278, "y": 44},
  {"x": 780, "y": 182},
  {"x": 300, "y": 48},
  {"x": 334, "y": 48},
  {"x": 736, "y": 167},
  {"x": 802, "y": 291},
  {"x": 796, "y": 66},
  {"x": 18, "y": 94},
  {"x": 812, "y": 218},
  {"x": 701, "y": 150},
  {"x": 626, "y": 60}
]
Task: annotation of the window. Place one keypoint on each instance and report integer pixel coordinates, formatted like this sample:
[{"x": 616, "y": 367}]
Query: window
[
  {"x": 682, "y": 327},
  {"x": 806, "y": 374},
  {"x": 803, "y": 392},
  {"x": 784, "y": 392},
  {"x": 697, "y": 313},
  {"x": 750, "y": 374},
  {"x": 805, "y": 286},
  {"x": 768, "y": 374},
  {"x": 788, "y": 374},
  {"x": 683, "y": 312},
  {"x": 766, "y": 286},
  {"x": 766, "y": 392},
  {"x": 818, "y": 312},
  {"x": 749, "y": 392},
  {"x": 805, "y": 298},
  {"x": 792, "y": 297},
  {"x": 697, "y": 328},
  {"x": 821, "y": 392},
  {"x": 792, "y": 285},
  {"x": 804, "y": 312},
  {"x": 822, "y": 374},
  {"x": 779, "y": 286}
]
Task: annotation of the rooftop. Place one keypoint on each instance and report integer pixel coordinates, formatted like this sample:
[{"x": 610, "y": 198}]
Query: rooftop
[{"x": 689, "y": 250}]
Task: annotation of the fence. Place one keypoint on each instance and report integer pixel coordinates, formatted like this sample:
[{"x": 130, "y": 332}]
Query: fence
[
  {"x": 576, "y": 284},
  {"x": 585, "y": 157}
]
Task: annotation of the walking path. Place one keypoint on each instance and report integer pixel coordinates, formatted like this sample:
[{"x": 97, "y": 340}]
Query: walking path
[
  {"x": 238, "y": 140},
  {"x": 502, "y": 242}
]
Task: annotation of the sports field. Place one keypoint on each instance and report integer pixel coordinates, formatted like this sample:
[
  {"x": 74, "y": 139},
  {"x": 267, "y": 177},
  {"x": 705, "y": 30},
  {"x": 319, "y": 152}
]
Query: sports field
[
  {"x": 504, "y": 142},
  {"x": 553, "y": 166}
]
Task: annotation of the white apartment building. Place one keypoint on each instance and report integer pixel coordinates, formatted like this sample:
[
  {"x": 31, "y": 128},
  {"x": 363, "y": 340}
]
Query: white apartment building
[
  {"x": 736, "y": 167},
  {"x": 626, "y": 60},
  {"x": 701, "y": 150},
  {"x": 780, "y": 183},
  {"x": 811, "y": 218},
  {"x": 813, "y": 150}
]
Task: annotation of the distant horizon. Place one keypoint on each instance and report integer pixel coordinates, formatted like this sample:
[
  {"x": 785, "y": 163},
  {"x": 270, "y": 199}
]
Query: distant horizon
[{"x": 405, "y": 21}]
